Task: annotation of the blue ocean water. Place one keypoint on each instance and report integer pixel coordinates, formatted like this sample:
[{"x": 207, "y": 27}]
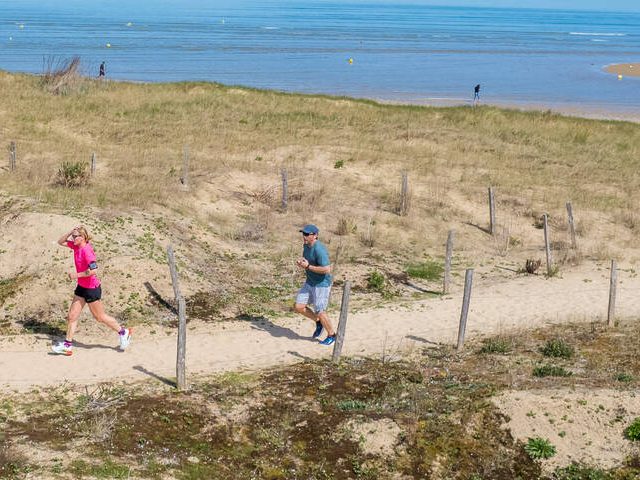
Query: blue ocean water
[{"x": 411, "y": 53}]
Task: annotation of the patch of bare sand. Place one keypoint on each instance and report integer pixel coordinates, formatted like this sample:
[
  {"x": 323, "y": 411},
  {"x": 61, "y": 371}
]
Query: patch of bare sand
[
  {"x": 585, "y": 426},
  {"x": 628, "y": 69}
]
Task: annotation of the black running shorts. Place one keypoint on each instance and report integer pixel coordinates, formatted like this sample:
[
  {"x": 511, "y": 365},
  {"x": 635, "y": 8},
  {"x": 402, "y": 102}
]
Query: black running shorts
[{"x": 89, "y": 294}]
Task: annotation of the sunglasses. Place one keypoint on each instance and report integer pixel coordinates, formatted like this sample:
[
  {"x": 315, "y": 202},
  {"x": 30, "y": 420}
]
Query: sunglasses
[
  {"x": 305, "y": 234},
  {"x": 75, "y": 236}
]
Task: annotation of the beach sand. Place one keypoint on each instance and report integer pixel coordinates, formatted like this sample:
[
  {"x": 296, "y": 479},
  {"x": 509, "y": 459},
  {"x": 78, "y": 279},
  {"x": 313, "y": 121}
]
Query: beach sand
[{"x": 624, "y": 69}]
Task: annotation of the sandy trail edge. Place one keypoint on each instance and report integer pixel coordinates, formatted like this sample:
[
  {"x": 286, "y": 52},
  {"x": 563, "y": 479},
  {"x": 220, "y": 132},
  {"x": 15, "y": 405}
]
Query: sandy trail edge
[{"x": 519, "y": 303}]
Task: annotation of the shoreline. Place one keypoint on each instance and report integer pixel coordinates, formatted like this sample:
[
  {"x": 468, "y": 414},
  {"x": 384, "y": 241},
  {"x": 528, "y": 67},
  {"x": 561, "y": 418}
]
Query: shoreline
[{"x": 588, "y": 111}]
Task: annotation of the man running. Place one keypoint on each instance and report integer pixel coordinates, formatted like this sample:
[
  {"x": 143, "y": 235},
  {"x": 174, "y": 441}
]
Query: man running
[{"x": 317, "y": 287}]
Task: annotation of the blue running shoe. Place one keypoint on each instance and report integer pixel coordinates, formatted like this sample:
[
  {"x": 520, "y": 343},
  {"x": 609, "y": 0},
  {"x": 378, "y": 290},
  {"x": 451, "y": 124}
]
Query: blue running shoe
[
  {"x": 318, "y": 330},
  {"x": 329, "y": 340}
]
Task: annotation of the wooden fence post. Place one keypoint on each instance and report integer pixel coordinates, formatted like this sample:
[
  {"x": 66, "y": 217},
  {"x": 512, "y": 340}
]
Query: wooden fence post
[
  {"x": 185, "y": 166},
  {"x": 174, "y": 273},
  {"x": 182, "y": 321},
  {"x": 492, "y": 212},
  {"x": 572, "y": 228},
  {"x": 468, "y": 280},
  {"x": 181, "y": 379},
  {"x": 612, "y": 294},
  {"x": 342, "y": 323},
  {"x": 12, "y": 156},
  {"x": 93, "y": 164},
  {"x": 285, "y": 189},
  {"x": 447, "y": 262},
  {"x": 547, "y": 247},
  {"x": 403, "y": 208}
]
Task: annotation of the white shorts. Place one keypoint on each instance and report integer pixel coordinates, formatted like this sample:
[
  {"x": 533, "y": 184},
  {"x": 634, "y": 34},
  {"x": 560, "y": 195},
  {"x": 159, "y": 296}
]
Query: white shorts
[{"x": 316, "y": 296}]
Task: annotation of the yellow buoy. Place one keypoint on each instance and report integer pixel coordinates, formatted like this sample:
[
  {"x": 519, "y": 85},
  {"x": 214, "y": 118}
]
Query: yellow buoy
[
  {"x": 619, "y": 77},
  {"x": 108, "y": 45},
  {"x": 351, "y": 60}
]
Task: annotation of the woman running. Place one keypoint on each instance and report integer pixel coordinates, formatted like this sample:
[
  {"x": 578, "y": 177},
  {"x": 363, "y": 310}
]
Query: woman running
[{"x": 87, "y": 291}]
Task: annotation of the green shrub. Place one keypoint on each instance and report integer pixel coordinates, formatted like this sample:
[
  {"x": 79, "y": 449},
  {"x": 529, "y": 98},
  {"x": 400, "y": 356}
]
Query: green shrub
[
  {"x": 339, "y": 164},
  {"x": 632, "y": 432},
  {"x": 557, "y": 348},
  {"x": 496, "y": 345},
  {"x": 376, "y": 281},
  {"x": 580, "y": 472},
  {"x": 427, "y": 270},
  {"x": 551, "y": 371},
  {"x": 73, "y": 174},
  {"x": 538, "y": 448},
  {"x": 624, "y": 377},
  {"x": 349, "y": 405}
]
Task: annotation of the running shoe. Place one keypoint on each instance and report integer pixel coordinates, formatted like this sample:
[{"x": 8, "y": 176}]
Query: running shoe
[
  {"x": 329, "y": 340},
  {"x": 125, "y": 338},
  {"x": 62, "y": 348},
  {"x": 318, "y": 330}
]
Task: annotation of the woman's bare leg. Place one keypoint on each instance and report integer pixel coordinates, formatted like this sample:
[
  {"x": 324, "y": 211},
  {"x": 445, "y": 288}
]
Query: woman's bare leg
[
  {"x": 74, "y": 314},
  {"x": 97, "y": 310}
]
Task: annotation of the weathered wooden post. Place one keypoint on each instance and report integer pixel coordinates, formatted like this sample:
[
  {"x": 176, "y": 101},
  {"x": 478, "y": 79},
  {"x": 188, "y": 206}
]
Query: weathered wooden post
[
  {"x": 468, "y": 280},
  {"x": 93, "y": 164},
  {"x": 572, "y": 228},
  {"x": 404, "y": 195},
  {"x": 342, "y": 323},
  {"x": 612, "y": 294},
  {"x": 181, "y": 378},
  {"x": 182, "y": 321},
  {"x": 185, "y": 167},
  {"x": 492, "y": 212},
  {"x": 447, "y": 262},
  {"x": 174, "y": 273},
  {"x": 12, "y": 156},
  {"x": 285, "y": 189},
  {"x": 547, "y": 246}
]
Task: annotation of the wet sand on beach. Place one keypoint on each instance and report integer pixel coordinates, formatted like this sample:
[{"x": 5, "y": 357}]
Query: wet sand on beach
[{"x": 628, "y": 69}]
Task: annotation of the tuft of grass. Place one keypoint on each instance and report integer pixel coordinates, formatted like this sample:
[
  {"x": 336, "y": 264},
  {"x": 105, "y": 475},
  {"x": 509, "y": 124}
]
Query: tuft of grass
[
  {"x": 632, "y": 432},
  {"x": 624, "y": 377},
  {"x": 376, "y": 281},
  {"x": 351, "y": 405},
  {"x": 496, "y": 345},
  {"x": 551, "y": 371},
  {"x": 539, "y": 448},
  {"x": 72, "y": 174},
  {"x": 427, "y": 270},
  {"x": 557, "y": 348}
]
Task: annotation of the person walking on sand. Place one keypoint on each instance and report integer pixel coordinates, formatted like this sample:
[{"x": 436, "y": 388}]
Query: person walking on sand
[
  {"x": 88, "y": 291},
  {"x": 476, "y": 94},
  {"x": 101, "y": 72},
  {"x": 317, "y": 286}
]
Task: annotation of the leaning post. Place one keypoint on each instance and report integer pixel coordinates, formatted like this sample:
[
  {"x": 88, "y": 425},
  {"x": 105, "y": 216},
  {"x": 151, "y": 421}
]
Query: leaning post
[
  {"x": 342, "y": 323},
  {"x": 468, "y": 280}
]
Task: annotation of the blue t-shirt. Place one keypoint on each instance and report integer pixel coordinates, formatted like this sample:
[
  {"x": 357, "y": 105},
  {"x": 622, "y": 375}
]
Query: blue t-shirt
[{"x": 319, "y": 256}]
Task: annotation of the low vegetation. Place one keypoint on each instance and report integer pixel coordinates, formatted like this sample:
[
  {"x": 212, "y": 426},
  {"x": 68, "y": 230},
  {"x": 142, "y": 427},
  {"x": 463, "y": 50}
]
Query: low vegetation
[{"x": 429, "y": 415}]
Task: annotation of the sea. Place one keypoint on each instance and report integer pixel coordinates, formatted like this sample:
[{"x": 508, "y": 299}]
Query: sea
[{"x": 387, "y": 51}]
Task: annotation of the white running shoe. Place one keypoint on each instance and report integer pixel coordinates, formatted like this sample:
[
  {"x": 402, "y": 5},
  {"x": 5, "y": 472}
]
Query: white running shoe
[
  {"x": 125, "y": 339},
  {"x": 61, "y": 349}
]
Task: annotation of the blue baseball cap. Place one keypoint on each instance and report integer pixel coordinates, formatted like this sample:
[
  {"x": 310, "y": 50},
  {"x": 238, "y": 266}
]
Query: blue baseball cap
[{"x": 310, "y": 229}]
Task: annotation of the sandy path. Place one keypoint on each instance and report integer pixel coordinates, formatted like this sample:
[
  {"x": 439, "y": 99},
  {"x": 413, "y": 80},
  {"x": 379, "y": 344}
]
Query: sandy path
[{"x": 521, "y": 302}]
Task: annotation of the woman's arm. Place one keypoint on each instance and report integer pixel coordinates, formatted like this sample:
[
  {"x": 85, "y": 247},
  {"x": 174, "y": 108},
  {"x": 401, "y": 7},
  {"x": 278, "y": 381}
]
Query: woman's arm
[{"x": 65, "y": 238}]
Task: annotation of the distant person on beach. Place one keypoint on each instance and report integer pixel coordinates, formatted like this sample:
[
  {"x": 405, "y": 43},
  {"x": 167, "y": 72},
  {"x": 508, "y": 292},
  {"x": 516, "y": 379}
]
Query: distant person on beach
[
  {"x": 476, "y": 94},
  {"x": 88, "y": 291},
  {"x": 317, "y": 286},
  {"x": 101, "y": 72}
]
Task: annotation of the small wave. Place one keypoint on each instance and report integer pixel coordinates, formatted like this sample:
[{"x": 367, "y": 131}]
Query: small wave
[
  {"x": 270, "y": 28},
  {"x": 588, "y": 34},
  {"x": 598, "y": 40}
]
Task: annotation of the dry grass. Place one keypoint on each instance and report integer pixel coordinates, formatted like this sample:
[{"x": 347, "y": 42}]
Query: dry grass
[{"x": 239, "y": 140}]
